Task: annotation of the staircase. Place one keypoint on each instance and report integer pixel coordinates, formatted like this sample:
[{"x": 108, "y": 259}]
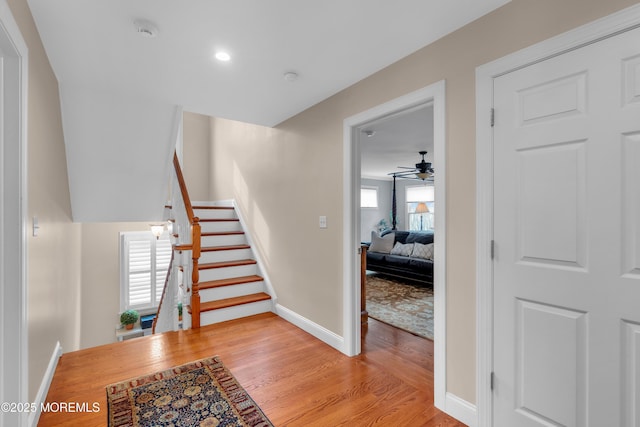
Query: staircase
[{"x": 230, "y": 282}]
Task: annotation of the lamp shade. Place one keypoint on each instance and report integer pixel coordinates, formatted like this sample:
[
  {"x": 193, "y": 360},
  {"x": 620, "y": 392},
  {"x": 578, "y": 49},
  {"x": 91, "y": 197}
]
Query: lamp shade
[
  {"x": 421, "y": 208},
  {"x": 423, "y": 175}
]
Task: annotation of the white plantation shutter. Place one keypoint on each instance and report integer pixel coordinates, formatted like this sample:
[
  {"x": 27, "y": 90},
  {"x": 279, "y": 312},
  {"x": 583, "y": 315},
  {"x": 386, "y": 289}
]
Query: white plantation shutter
[
  {"x": 139, "y": 252},
  {"x": 423, "y": 193},
  {"x": 144, "y": 264}
]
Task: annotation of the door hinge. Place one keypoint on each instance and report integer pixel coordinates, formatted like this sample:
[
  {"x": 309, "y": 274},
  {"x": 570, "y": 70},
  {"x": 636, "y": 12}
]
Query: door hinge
[
  {"x": 491, "y": 380},
  {"x": 493, "y": 249},
  {"x": 493, "y": 117}
]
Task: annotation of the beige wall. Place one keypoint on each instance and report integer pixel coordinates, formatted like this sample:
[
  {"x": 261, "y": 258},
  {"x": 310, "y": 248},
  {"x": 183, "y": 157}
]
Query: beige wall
[
  {"x": 283, "y": 180},
  {"x": 196, "y": 155},
  {"x": 53, "y": 256},
  {"x": 101, "y": 280},
  {"x": 285, "y": 177}
]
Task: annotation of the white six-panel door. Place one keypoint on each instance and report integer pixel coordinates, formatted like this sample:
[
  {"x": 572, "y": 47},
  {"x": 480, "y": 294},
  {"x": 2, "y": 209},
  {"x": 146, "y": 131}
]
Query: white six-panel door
[{"x": 567, "y": 234}]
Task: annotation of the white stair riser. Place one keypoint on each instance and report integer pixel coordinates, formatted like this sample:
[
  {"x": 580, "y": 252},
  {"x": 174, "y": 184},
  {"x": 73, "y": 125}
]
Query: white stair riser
[
  {"x": 228, "y": 255},
  {"x": 232, "y": 291},
  {"x": 237, "y": 312},
  {"x": 228, "y": 272},
  {"x": 231, "y": 239},
  {"x": 215, "y": 213},
  {"x": 220, "y": 226}
]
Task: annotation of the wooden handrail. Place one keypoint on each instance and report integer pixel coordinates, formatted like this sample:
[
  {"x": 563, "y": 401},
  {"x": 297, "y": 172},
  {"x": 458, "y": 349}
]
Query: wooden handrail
[
  {"x": 164, "y": 290},
  {"x": 194, "y": 247},
  {"x": 183, "y": 188}
]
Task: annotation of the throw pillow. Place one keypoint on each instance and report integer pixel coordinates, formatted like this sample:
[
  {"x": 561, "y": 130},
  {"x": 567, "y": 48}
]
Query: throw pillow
[
  {"x": 423, "y": 251},
  {"x": 381, "y": 244},
  {"x": 400, "y": 249}
]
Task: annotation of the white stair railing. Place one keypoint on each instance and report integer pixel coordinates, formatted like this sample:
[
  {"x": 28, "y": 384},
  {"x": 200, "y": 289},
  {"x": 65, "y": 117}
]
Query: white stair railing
[
  {"x": 166, "y": 317},
  {"x": 182, "y": 285}
]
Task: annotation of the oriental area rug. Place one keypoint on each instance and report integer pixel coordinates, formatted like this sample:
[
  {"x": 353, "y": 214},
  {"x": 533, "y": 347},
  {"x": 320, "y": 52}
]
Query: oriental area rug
[
  {"x": 201, "y": 393},
  {"x": 405, "y": 305}
]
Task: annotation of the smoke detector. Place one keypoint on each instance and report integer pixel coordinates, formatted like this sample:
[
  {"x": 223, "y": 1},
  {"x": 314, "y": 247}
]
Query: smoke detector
[
  {"x": 145, "y": 28},
  {"x": 291, "y": 76}
]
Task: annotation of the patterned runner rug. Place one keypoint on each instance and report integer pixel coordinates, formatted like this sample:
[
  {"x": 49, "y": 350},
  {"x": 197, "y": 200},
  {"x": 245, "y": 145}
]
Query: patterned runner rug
[
  {"x": 401, "y": 304},
  {"x": 201, "y": 393}
]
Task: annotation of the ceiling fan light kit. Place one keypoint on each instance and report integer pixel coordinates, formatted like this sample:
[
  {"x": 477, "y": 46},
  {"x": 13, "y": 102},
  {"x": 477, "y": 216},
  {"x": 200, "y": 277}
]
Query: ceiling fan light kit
[{"x": 422, "y": 170}]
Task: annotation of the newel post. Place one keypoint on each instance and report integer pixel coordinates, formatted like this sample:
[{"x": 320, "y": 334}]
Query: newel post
[
  {"x": 364, "y": 315},
  {"x": 195, "y": 274}
]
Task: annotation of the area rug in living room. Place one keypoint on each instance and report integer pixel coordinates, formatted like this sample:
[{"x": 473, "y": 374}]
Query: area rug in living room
[
  {"x": 201, "y": 393},
  {"x": 402, "y": 304}
]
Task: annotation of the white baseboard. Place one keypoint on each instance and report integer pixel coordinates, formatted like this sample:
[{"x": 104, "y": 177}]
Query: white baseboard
[
  {"x": 44, "y": 386},
  {"x": 461, "y": 410},
  {"x": 323, "y": 334}
]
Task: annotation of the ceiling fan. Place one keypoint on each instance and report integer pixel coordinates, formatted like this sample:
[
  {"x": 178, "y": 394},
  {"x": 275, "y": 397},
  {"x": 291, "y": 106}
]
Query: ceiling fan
[{"x": 422, "y": 171}]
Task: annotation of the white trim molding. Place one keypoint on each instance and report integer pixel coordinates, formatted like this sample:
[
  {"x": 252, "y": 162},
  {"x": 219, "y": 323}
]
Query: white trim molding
[
  {"x": 435, "y": 94},
  {"x": 460, "y": 409},
  {"x": 14, "y": 357},
  {"x": 44, "y": 386},
  {"x": 320, "y": 332},
  {"x": 621, "y": 21}
]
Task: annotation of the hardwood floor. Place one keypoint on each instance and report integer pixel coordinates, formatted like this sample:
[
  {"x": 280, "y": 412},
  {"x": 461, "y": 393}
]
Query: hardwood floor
[{"x": 296, "y": 379}]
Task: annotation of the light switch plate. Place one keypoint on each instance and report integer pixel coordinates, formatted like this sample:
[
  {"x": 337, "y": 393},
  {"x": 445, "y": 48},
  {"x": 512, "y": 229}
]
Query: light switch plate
[{"x": 323, "y": 221}]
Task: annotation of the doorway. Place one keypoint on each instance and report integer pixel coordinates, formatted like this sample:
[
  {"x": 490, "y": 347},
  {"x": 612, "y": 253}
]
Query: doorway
[
  {"x": 13, "y": 211},
  {"x": 434, "y": 94}
]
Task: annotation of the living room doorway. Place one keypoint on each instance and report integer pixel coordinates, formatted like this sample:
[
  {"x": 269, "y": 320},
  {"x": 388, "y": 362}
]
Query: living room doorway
[{"x": 355, "y": 134}]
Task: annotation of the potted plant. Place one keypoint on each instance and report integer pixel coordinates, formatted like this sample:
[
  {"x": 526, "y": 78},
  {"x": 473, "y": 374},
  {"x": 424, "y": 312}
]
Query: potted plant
[
  {"x": 180, "y": 311},
  {"x": 128, "y": 318}
]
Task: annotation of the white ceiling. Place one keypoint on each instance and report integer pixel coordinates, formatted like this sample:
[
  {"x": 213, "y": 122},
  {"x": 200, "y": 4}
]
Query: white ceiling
[
  {"x": 96, "y": 53},
  {"x": 396, "y": 141}
]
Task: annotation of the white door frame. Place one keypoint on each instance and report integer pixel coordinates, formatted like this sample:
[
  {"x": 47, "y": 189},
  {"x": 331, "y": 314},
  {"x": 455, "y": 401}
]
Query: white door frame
[
  {"x": 14, "y": 361},
  {"x": 609, "y": 26},
  {"x": 351, "y": 280}
]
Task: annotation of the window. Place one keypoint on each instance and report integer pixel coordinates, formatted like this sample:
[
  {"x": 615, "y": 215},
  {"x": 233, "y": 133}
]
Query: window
[
  {"x": 417, "y": 198},
  {"x": 369, "y": 197},
  {"x": 144, "y": 261}
]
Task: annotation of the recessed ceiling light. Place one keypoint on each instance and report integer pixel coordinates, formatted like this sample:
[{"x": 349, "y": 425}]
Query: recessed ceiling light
[{"x": 223, "y": 56}]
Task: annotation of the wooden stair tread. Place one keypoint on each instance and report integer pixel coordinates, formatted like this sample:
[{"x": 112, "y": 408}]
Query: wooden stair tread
[
  {"x": 214, "y": 207},
  {"x": 223, "y": 264},
  {"x": 221, "y": 233},
  {"x": 224, "y": 248},
  {"x": 229, "y": 282},
  {"x": 219, "y": 220},
  {"x": 232, "y": 302}
]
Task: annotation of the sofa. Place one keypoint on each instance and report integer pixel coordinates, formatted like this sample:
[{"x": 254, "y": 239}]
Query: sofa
[{"x": 407, "y": 254}]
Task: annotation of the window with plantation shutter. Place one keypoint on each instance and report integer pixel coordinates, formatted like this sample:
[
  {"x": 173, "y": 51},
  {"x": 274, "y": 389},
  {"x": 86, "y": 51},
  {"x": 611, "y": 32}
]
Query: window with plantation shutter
[{"x": 144, "y": 264}]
